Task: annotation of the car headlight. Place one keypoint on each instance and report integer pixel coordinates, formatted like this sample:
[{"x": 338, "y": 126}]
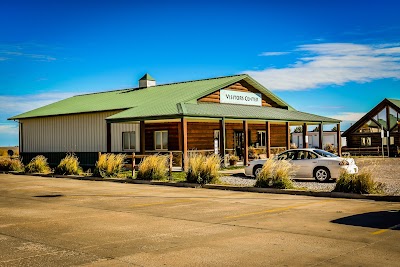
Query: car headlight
[{"x": 344, "y": 162}]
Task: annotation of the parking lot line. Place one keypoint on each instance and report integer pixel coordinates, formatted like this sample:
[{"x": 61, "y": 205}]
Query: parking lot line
[
  {"x": 385, "y": 230},
  {"x": 274, "y": 210}
]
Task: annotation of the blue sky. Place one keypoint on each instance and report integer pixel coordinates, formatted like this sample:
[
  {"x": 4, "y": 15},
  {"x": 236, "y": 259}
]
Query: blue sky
[{"x": 332, "y": 58}]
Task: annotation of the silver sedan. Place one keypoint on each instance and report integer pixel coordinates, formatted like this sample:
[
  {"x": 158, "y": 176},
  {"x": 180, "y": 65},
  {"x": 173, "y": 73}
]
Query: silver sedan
[{"x": 309, "y": 162}]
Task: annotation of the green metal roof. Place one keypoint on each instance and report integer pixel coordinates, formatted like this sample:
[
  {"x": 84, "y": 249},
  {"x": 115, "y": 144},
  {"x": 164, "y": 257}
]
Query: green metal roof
[
  {"x": 147, "y": 77},
  {"x": 156, "y": 100},
  {"x": 395, "y": 102},
  {"x": 214, "y": 110}
]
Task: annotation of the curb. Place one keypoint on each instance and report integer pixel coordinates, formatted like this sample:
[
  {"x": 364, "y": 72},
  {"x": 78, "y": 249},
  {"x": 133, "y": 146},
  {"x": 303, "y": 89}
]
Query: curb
[{"x": 224, "y": 187}]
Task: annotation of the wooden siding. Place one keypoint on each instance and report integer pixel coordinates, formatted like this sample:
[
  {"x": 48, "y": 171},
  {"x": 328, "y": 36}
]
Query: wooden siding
[
  {"x": 239, "y": 86},
  {"x": 72, "y": 133},
  {"x": 173, "y": 137}
]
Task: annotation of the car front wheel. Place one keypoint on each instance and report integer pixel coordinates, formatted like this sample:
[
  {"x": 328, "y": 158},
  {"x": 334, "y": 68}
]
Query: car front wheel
[{"x": 322, "y": 174}]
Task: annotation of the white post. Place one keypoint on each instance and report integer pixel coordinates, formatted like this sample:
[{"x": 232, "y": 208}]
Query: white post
[
  {"x": 382, "y": 136},
  {"x": 387, "y": 142}
]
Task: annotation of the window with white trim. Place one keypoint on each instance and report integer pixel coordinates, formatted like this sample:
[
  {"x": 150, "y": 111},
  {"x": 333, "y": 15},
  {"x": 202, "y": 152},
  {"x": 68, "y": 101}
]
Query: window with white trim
[
  {"x": 128, "y": 140},
  {"x": 161, "y": 140},
  {"x": 261, "y": 138},
  {"x": 366, "y": 141}
]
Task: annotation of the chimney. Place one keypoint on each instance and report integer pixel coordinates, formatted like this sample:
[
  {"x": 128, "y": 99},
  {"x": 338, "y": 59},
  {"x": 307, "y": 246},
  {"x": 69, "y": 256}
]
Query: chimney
[{"x": 147, "y": 81}]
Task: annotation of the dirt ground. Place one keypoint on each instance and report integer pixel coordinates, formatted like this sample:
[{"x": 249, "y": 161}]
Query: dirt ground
[{"x": 384, "y": 170}]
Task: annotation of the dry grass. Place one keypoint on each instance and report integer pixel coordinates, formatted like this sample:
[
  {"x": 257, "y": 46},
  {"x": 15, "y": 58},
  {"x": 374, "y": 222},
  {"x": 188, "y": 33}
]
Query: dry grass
[
  {"x": 109, "y": 165},
  {"x": 276, "y": 174},
  {"x": 153, "y": 167},
  {"x": 359, "y": 183},
  {"x": 8, "y": 164},
  {"x": 4, "y": 151},
  {"x": 203, "y": 169},
  {"x": 68, "y": 166},
  {"x": 38, "y": 165}
]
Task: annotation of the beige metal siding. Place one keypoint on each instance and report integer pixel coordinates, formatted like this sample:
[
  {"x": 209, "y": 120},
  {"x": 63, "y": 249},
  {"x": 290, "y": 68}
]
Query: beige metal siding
[
  {"x": 73, "y": 133},
  {"x": 116, "y": 136}
]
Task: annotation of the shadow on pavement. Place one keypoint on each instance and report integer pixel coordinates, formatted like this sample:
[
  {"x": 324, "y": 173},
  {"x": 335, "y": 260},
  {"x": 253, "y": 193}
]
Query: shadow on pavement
[{"x": 380, "y": 220}]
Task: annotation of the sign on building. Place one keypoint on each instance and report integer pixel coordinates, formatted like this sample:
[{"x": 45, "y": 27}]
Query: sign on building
[{"x": 240, "y": 98}]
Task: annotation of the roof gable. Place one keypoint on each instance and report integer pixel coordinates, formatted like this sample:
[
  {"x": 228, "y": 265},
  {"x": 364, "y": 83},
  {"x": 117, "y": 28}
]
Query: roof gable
[{"x": 393, "y": 103}]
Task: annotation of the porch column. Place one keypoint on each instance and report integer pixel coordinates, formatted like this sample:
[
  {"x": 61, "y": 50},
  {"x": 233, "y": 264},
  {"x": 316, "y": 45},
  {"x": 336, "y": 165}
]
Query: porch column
[
  {"x": 287, "y": 135},
  {"x": 142, "y": 137},
  {"x": 305, "y": 141},
  {"x": 246, "y": 143},
  {"x": 108, "y": 132},
  {"x": 339, "y": 140},
  {"x": 185, "y": 159},
  {"x": 268, "y": 139},
  {"x": 222, "y": 140},
  {"x": 321, "y": 136}
]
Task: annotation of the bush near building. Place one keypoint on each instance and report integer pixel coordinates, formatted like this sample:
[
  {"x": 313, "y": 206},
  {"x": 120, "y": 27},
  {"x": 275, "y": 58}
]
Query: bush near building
[
  {"x": 203, "y": 169},
  {"x": 359, "y": 183},
  {"x": 109, "y": 165},
  {"x": 153, "y": 167},
  {"x": 69, "y": 166},
  {"x": 275, "y": 174},
  {"x": 38, "y": 165},
  {"x": 9, "y": 164}
]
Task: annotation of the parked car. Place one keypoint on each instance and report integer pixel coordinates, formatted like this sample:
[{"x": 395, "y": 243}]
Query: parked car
[{"x": 309, "y": 162}]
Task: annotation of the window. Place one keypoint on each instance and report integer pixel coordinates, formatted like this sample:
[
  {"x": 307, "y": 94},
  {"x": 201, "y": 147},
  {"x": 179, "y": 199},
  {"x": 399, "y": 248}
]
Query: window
[
  {"x": 261, "y": 135},
  {"x": 366, "y": 141},
  {"x": 161, "y": 140},
  {"x": 128, "y": 140},
  {"x": 290, "y": 155},
  {"x": 304, "y": 154}
]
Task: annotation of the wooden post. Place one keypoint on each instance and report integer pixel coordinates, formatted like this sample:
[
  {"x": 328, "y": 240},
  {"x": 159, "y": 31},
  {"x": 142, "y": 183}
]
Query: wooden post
[
  {"x": 170, "y": 164},
  {"x": 287, "y": 135},
  {"x": 321, "y": 136},
  {"x": 268, "y": 139},
  {"x": 98, "y": 155},
  {"x": 133, "y": 165},
  {"x": 184, "y": 144},
  {"x": 246, "y": 143},
  {"x": 108, "y": 130},
  {"x": 305, "y": 144},
  {"x": 222, "y": 140},
  {"x": 142, "y": 137},
  {"x": 339, "y": 140}
]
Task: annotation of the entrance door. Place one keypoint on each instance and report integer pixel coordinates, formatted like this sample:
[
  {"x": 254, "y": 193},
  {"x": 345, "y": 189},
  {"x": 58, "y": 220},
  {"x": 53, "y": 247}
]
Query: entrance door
[{"x": 239, "y": 143}]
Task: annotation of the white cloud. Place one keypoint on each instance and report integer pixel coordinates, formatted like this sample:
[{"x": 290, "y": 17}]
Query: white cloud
[
  {"x": 333, "y": 64},
  {"x": 19, "y": 104},
  {"x": 348, "y": 116},
  {"x": 3, "y": 58},
  {"x": 268, "y": 54},
  {"x": 9, "y": 129}
]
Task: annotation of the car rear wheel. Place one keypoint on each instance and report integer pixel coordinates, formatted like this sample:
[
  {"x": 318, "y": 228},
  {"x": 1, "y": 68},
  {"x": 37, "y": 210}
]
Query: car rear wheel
[
  {"x": 257, "y": 170},
  {"x": 322, "y": 174}
]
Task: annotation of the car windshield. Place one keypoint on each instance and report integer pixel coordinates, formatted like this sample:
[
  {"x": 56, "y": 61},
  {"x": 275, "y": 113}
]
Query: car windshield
[{"x": 325, "y": 154}]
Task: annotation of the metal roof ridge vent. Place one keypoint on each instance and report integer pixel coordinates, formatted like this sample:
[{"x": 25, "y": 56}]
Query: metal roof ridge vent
[{"x": 146, "y": 81}]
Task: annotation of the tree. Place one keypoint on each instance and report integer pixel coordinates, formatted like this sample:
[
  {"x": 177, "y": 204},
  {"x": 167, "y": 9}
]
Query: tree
[
  {"x": 298, "y": 129},
  {"x": 316, "y": 129},
  {"x": 334, "y": 129}
]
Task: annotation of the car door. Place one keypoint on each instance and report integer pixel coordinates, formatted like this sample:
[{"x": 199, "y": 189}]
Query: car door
[{"x": 306, "y": 162}]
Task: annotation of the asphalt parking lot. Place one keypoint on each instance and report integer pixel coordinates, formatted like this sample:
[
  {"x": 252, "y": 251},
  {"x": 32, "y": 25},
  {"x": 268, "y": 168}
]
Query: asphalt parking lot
[{"x": 63, "y": 222}]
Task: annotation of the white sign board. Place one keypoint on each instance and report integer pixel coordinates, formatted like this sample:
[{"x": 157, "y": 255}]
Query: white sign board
[{"x": 240, "y": 98}]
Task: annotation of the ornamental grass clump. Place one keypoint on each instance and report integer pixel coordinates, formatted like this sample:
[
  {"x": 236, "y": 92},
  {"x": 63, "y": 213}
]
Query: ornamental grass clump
[
  {"x": 38, "y": 165},
  {"x": 154, "y": 167},
  {"x": 109, "y": 165},
  {"x": 276, "y": 174},
  {"x": 203, "y": 169},
  {"x": 8, "y": 164},
  {"x": 69, "y": 166},
  {"x": 359, "y": 183}
]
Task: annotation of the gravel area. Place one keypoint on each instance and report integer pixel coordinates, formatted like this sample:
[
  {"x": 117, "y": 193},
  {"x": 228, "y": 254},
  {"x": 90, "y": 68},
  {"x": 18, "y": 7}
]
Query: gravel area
[{"x": 386, "y": 171}]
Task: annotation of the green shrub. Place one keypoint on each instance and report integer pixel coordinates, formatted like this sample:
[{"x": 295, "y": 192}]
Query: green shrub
[
  {"x": 109, "y": 165},
  {"x": 38, "y": 165},
  {"x": 9, "y": 164},
  {"x": 68, "y": 165},
  {"x": 275, "y": 174},
  {"x": 359, "y": 183},
  {"x": 203, "y": 169},
  {"x": 153, "y": 167},
  {"x": 330, "y": 148}
]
